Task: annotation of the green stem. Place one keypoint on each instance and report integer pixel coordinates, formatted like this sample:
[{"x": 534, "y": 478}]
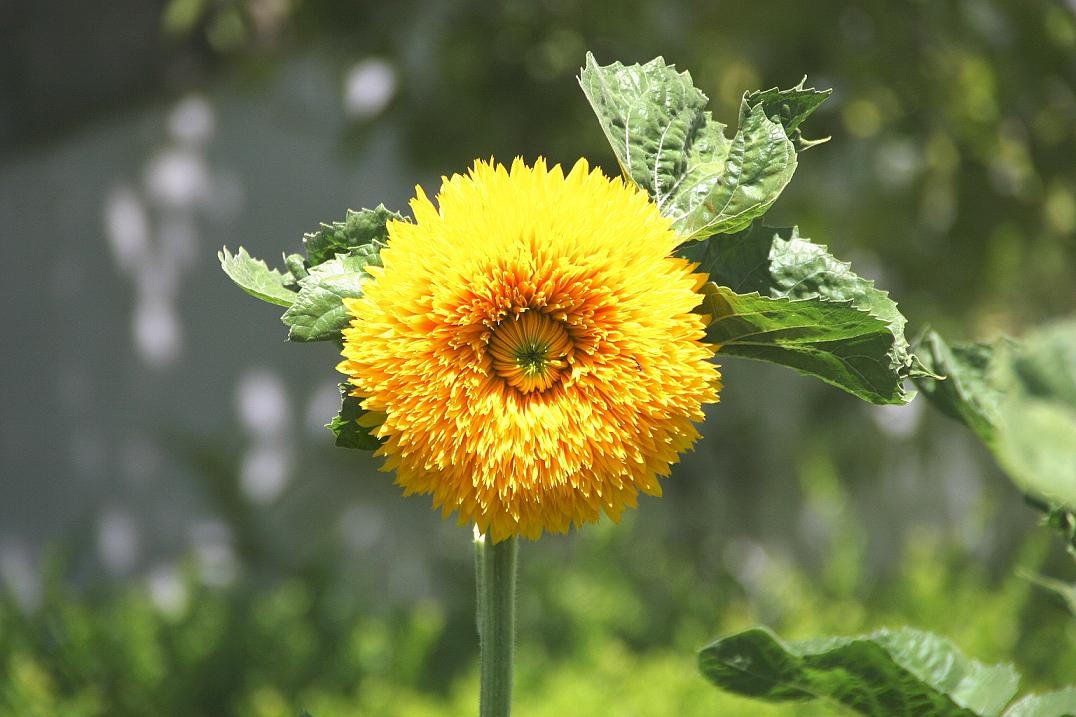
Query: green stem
[{"x": 495, "y": 573}]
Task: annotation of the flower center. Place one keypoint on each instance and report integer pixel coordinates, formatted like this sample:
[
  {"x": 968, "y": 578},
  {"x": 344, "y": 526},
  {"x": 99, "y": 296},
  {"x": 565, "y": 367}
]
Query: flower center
[{"x": 529, "y": 351}]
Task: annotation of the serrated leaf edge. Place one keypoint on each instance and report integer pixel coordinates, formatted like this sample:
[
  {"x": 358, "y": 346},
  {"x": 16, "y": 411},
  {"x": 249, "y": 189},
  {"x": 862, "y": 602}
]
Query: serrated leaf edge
[{"x": 226, "y": 257}]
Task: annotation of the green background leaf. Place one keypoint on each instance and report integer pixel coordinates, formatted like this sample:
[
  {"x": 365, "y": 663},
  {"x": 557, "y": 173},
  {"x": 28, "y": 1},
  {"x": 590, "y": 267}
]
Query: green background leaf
[
  {"x": 966, "y": 393},
  {"x": 1020, "y": 399},
  {"x": 1037, "y": 440},
  {"x": 668, "y": 144},
  {"x": 889, "y": 673},
  {"x": 256, "y": 278}
]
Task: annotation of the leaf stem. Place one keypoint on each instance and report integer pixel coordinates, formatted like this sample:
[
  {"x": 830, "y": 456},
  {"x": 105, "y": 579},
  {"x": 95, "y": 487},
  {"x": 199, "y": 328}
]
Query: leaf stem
[{"x": 495, "y": 573}]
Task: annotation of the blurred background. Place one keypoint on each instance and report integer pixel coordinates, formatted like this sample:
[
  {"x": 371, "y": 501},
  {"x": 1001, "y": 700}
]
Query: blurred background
[{"x": 178, "y": 534}]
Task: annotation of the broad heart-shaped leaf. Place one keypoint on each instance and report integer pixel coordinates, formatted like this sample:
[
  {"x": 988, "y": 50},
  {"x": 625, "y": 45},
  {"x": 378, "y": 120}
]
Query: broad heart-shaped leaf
[
  {"x": 1052, "y": 704},
  {"x": 833, "y": 324},
  {"x": 254, "y": 277},
  {"x": 668, "y": 144},
  {"x": 889, "y": 673},
  {"x": 789, "y": 108},
  {"x": 349, "y": 426},
  {"x": 359, "y": 228},
  {"x": 318, "y": 313},
  {"x": 1020, "y": 399}
]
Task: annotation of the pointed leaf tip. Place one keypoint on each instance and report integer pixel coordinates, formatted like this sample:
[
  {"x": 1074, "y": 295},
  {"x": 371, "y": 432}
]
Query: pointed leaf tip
[
  {"x": 789, "y": 108},
  {"x": 256, "y": 278}
]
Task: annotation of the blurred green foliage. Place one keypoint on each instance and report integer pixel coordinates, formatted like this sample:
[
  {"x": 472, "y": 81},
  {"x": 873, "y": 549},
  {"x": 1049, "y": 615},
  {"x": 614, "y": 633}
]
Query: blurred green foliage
[{"x": 631, "y": 627}]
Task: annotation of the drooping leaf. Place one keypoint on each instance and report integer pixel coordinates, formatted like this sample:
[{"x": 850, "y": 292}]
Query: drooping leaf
[
  {"x": 352, "y": 425},
  {"x": 256, "y": 278},
  {"x": 318, "y": 313},
  {"x": 1020, "y": 399},
  {"x": 966, "y": 392},
  {"x": 359, "y": 228},
  {"x": 1036, "y": 443},
  {"x": 789, "y": 108},
  {"x": 780, "y": 264},
  {"x": 1051, "y": 704},
  {"x": 668, "y": 144},
  {"x": 890, "y": 673}
]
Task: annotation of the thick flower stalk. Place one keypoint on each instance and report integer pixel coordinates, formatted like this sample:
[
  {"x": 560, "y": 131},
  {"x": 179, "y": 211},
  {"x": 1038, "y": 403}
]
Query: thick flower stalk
[{"x": 529, "y": 350}]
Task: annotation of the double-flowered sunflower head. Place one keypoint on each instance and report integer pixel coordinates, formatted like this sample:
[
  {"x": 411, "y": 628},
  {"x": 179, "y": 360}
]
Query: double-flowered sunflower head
[{"x": 529, "y": 348}]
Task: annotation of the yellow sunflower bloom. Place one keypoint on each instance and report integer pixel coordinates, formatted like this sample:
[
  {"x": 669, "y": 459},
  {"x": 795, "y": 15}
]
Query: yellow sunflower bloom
[{"x": 529, "y": 348}]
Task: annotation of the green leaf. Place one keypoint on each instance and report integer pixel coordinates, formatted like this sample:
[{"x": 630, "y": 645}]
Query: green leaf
[
  {"x": 1020, "y": 399},
  {"x": 789, "y": 108},
  {"x": 318, "y": 313},
  {"x": 254, "y": 277},
  {"x": 349, "y": 432},
  {"x": 1052, "y": 704},
  {"x": 832, "y": 341},
  {"x": 364, "y": 227},
  {"x": 668, "y": 144},
  {"x": 834, "y": 325},
  {"x": 296, "y": 266},
  {"x": 966, "y": 392},
  {"x": 885, "y": 674},
  {"x": 1036, "y": 443},
  {"x": 780, "y": 263}
]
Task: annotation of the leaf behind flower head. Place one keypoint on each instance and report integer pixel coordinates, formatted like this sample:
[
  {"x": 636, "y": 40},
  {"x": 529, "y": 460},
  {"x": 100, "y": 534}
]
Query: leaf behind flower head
[
  {"x": 777, "y": 296},
  {"x": 359, "y": 228},
  {"x": 318, "y": 313}
]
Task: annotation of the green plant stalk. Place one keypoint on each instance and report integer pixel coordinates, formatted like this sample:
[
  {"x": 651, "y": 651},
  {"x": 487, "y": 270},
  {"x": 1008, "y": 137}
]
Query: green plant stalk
[{"x": 495, "y": 573}]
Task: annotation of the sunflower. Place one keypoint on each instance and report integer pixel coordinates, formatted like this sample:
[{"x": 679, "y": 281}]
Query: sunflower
[{"x": 528, "y": 351}]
